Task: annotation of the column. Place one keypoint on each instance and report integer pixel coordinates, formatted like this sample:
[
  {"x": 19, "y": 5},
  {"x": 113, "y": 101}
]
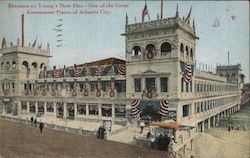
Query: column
[
  {"x": 143, "y": 86},
  {"x": 55, "y": 109},
  {"x": 19, "y": 108},
  {"x": 64, "y": 110},
  {"x": 75, "y": 110},
  {"x": 99, "y": 111},
  {"x": 208, "y": 123},
  {"x": 203, "y": 126},
  {"x": 218, "y": 119},
  {"x": 45, "y": 108},
  {"x": 113, "y": 113},
  {"x": 36, "y": 107},
  {"x": 213, "y": 121},
  {"x": 158, "y": 84},
  {"x": 192, "y": 144},
  {"x": 87, "y": 110},
  {"x": 28, "y": 107}
]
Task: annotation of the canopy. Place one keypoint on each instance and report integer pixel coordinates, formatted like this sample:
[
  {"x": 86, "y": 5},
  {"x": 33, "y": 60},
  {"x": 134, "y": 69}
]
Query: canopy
[{"x": 165, "y": 125}]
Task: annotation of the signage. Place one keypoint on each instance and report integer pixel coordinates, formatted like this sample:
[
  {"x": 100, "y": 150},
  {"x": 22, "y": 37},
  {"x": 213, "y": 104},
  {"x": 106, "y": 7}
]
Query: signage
[{"x": 6, "y": 99}]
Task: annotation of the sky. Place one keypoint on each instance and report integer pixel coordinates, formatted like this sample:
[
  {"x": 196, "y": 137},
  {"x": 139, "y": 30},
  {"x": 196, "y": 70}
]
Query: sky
[{"x": 92, "y": 37}]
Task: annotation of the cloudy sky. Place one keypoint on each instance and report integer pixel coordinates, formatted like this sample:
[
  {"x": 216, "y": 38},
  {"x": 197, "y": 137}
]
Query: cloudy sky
[{"x": 95, "y": 36}]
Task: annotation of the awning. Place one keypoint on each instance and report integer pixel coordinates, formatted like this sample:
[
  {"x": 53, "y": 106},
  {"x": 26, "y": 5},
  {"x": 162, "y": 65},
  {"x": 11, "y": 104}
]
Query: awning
[{"x": 165, "y": 125}]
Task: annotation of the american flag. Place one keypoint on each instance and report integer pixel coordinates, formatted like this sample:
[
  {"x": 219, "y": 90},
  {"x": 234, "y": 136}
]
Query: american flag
[
  {"x": 57, "y": 73},
  {"x": 164, "y": 108},
  {"x": 99, "y": 70},
  {"x": 78, "y": 70},
  {"x": 134, "y": 110},
  {"x": 188, "y": 73}
]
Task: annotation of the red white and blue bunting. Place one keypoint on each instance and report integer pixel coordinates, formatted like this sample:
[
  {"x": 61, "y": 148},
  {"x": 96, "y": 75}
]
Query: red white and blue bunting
[
  {"x": 57, "y": 73},
  {"x": 134, "y": 110},
  {"x": 121, "y": 69},
  {"x": 99, "y": 70},
  {"x": 78, "y": 70},
  {"x": 164, "y": 108},
  {"x": 188, "y": 73}
]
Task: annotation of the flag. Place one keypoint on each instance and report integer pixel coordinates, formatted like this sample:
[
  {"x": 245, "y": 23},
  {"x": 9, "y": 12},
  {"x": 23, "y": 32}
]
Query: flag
[
  {"x": 34, "y": 44},
  {"x": 57, "y": 73},
  {"x": 78, "y": 70},
  {"x": 189, "y": 15},
  {"x": 188, "y": 73},
  {"x": 164, "y": 108},
  {"x": 145, "y": 12}
]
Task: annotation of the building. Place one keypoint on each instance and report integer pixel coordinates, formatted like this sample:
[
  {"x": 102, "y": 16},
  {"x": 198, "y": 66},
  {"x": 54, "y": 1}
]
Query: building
[{"x": 157, "y": 80}]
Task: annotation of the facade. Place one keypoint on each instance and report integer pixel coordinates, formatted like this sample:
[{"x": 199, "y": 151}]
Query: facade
[{"x": 157, "y": 81}]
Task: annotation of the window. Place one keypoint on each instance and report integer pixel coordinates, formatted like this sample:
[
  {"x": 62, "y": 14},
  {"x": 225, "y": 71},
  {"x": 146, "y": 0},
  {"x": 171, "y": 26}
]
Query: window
[
  {"x": 185, "y": 110},
  {"x": 150, "y": 84},
  {"x": 106, "y": 110},
  {"x": 182, "y": 48},
  {"x": 187, "y": 87},
  {"x": 164, "y": 84},
  {"x": 165, "y": 47},
  {"x": 151, "y": 49},
  {"x": 136, "y": 50},
  {"x": 182, "y": 84},
  {"x": 197, "y": 88},
  {"x": 34, "y": 65},
  {"x": 191, "y": 54},
  {"x": 187, "y": 51},
  {"x": 137, "y": 82},
  {"x": 191, "y": 88}
]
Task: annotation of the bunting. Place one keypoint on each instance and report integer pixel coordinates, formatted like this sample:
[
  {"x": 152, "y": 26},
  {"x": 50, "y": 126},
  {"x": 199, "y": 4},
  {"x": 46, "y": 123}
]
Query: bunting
[
  {"x": 57, "y": 73},
  {"x": 164, "y": 108},
  {"x": 188, "y": 73},
  {"x": 121, "y": 69},
  {"x": 78, "y": 70},
  {"x": 134, "y": 110},
  {"x": 99, "y": 70}
]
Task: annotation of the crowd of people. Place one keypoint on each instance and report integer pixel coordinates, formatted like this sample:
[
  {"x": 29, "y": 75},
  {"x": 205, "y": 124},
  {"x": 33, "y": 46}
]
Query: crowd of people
[
  {"x": 160, "y": 141},
  {"x": 238, "y": 127},
  {"x": 34, "y": 123}
]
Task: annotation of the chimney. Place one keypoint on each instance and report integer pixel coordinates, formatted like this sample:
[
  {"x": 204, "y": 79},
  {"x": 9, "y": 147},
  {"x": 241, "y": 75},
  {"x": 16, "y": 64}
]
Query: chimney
[{"x": 22, "y": 30}]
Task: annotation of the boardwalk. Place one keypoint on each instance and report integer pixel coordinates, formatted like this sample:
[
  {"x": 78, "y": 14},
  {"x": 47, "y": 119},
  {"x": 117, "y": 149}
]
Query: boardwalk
[{"x": 26, "y": 141}]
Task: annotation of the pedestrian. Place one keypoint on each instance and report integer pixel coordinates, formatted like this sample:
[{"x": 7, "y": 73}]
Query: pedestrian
[
  {"x": 153, "y": 142},
  {"x": 244, "y": 127},
  {"x": 149, "y": 135},
  {"x": 41, "y": 127},
  {"x": 142, "y": 125},
  {"x": 229, "y": 127},
  {"x": 238, "y": 127},
  {"x": 31, "y": 120},
  {"x": 35, "y": 122}
]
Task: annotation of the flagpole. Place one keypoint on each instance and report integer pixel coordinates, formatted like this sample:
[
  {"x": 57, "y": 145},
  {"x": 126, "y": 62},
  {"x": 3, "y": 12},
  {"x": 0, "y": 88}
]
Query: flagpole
[{"x": 161, "y": 9}]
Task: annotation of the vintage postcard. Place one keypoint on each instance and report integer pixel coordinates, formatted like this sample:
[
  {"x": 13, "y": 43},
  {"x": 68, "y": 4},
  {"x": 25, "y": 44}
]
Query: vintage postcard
[{"x": 124, "y": 79}]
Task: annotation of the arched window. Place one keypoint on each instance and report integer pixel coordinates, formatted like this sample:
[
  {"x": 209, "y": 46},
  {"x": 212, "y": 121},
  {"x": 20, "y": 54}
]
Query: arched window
[
  {"x": 34, "y": 65},
  {"x": 227, "y": 76},
  {"x": 182, "y": 48},
  {"x": 136, "y": 50},
  {"x": 221, "y": 75},
  {"x": 26, "y": 64},
  {"x": 13, "y": 64},
  {"x": 7, "y": 64},
  {"x": 2, "y": 64},
  {"x": 165, "y": 47},
  {"x": 187, "y": 51},
  {"x": 42, "y": 65},
  {"x": 150, "y": 48},
  {"x": 191, "y": 53}
]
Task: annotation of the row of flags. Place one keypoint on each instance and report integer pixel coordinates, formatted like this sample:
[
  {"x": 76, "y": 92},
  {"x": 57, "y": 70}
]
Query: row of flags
[{"x": 80, "y": 71}]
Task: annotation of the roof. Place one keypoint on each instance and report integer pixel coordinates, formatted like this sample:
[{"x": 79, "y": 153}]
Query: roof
[{"x": 107, "y": 61}]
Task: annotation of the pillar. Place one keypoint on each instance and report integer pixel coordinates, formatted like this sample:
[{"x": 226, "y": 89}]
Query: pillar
[
  {"x": 55, "y": 109},
  {"x": 99, "y": 111},
  {"x": 158, "y": 84},
  {"x": 19, "y": 108},
  {"x": 203, "y": 126},
  {"x": 87, "y": 110},
  {"x": 64, "y": 110},
  {"x": 208, "y": 123},
  {"x": 75, "y": 110},
  {"x": 28, "y": 107},
  {"x": 213, "y": 121},
  {"x": 36, "y": 107},
  {"x": 218, "y": 119},
  {"x": 184, "y": 149},
  {"x": 192, "y": 144},
  {"x": 143, "y": 86},
  {"x": 113, "y": 113},
  {"x": 45, "y": 108}
]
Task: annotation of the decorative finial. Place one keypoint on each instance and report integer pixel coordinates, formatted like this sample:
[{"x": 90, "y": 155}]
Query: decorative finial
[
  {"x": 158, "y": 16},
  {"x": 177, "y": 12},
  {"x": 193, "y": 26},
  {"x": 126, "y": 19}
]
